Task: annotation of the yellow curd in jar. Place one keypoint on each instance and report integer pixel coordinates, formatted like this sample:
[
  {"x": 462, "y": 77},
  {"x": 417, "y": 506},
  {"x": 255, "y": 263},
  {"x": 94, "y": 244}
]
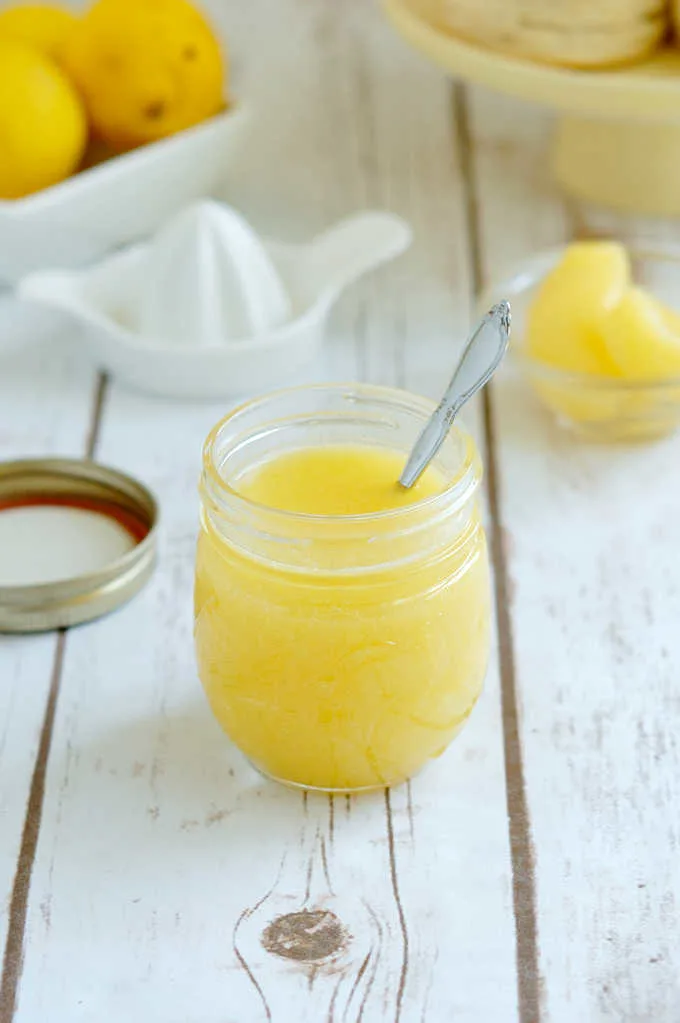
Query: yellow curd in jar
[{"x": 343, "y": 670}]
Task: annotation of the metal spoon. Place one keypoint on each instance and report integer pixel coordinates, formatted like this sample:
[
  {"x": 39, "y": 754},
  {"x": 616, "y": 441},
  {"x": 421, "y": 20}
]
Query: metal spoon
[{"x": 481, "y": 356}]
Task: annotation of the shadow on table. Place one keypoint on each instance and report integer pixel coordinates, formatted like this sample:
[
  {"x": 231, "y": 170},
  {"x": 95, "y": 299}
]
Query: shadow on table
[
  {"x": 170, "y": 789},
  {"x": 177, "y": 774}
]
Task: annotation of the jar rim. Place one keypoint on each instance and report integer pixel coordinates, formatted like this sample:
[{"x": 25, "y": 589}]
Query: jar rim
[{"x": 454, "y": 495}]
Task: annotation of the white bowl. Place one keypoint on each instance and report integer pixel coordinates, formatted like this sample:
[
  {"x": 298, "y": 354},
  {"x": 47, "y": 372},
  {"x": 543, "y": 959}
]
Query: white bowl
[
  {"x": 313, "y": 275},
  {"x": 118, "y": 201}
]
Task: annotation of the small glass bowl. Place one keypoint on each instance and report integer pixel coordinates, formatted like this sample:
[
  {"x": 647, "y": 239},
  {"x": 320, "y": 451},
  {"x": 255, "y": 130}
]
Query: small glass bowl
[{"x": 594, "y": 407}]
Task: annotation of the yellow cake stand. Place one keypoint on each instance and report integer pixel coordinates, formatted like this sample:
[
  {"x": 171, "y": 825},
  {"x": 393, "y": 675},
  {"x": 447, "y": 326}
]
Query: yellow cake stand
[{"x": 618, "y": 135}]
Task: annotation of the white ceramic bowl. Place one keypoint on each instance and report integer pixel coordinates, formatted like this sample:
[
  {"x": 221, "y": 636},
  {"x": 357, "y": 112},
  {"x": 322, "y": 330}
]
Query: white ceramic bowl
[{"x": 117, "y": 201}]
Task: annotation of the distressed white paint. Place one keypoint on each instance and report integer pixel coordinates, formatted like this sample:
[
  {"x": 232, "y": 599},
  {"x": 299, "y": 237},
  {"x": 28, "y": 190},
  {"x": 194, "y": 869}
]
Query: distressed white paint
[
  {"x": 45, "y": 402},
  {"x": 593, "y": 547},
  {"x": 162, "y": 857},
  {"x": 157, "y": 840}
]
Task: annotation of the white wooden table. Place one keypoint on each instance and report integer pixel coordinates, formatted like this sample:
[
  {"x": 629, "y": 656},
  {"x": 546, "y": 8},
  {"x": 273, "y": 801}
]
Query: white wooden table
[{"x": 533, "y": 873}]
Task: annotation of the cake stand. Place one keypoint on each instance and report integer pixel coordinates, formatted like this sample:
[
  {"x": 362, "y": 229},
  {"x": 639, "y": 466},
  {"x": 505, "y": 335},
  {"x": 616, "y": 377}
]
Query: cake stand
[{"x": 618, "y": 132}]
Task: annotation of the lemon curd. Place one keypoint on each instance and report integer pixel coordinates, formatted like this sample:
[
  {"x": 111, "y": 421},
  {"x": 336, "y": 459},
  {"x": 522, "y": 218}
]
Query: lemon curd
[
  {"x": 341, "y": 621},
  {"x": 602, "y": 340}
]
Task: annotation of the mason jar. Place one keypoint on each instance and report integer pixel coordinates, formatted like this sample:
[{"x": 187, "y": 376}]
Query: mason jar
[{"x": 340, "y": 652}]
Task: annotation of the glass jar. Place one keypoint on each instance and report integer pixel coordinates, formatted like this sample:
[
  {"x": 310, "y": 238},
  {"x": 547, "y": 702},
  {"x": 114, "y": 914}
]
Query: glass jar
[{"x": 340, "y": 652}]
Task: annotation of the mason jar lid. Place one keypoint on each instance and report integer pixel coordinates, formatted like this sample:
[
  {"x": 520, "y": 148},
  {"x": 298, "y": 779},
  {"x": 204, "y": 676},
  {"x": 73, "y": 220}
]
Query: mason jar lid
[{"x": 77, "y": 540}]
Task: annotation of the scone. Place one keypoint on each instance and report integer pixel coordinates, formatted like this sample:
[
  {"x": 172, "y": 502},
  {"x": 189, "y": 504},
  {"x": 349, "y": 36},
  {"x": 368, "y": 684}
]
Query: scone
[{"x": 573, "y": 33}]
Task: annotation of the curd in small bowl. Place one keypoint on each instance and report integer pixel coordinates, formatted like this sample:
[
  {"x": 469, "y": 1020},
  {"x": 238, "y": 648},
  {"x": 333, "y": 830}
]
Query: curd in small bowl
[
  {"x": 342, "y": 622},
  {"x": 594, "y": 406}
]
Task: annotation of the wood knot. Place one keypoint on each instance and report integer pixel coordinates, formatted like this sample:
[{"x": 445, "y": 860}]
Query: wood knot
[{"x": 308, "y": 936}]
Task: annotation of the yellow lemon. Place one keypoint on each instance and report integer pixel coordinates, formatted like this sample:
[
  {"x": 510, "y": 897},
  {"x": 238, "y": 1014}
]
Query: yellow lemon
[
  {"x": 145, "y": 68},
  {"x": 563, "y": 321},
  {"x": 643, "y": 337},
  {"x": 45, "y": 26},
  {"x": 43, "y": 128}
]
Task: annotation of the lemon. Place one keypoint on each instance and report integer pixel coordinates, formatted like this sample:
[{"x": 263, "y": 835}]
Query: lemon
[
  {"x": 145, "y": 68},
  {"x": 563, "y": 321},
  {"x": 44, "y": 26},
  {"x": 643, "y": 337},
  {"x": 43, "y": 128}
]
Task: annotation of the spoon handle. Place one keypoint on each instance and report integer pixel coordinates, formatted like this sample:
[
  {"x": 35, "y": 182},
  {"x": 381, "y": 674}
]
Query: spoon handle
[{"x": 483, "y": 351}]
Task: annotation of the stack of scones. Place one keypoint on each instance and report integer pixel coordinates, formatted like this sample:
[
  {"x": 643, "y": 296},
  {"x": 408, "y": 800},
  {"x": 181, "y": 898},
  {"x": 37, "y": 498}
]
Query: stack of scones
[{"x": 570, "y": 33}]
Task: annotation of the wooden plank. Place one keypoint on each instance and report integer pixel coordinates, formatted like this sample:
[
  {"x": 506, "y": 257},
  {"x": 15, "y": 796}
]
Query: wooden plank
[
  {"x": 591, "y": 545},
  {"x": 503, "y": 140},
  {"x": 452, "y": 939},
  {"x": 165, "y": 864},
  {"x": 45, "y": 408}
]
